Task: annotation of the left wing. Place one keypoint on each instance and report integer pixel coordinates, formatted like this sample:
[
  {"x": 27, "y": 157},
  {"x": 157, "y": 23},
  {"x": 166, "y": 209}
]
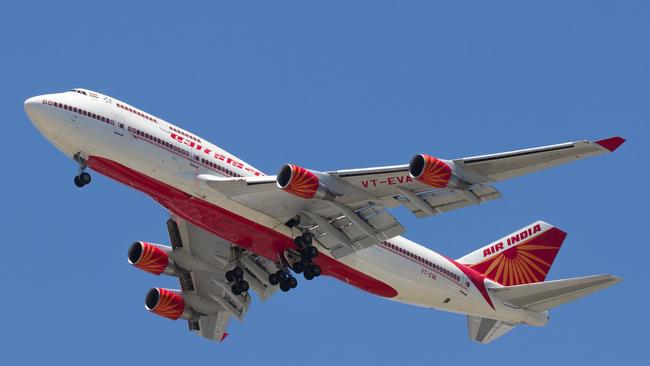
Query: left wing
[
  {"x": 346, "y": 209},
  {"x": 201, "y": 261}
]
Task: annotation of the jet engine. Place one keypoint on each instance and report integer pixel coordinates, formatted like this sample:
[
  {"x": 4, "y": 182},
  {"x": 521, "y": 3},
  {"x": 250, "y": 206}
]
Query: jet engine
[
  {"x": 166, "y": 303},
  {"x": 302, "y": 183},
  {"x": 434, "y": 172},
  {"x": 152, "y": 258}
]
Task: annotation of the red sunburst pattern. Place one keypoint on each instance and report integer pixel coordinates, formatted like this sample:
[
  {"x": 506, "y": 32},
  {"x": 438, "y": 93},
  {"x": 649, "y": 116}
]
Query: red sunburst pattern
[
  {"x": 436, "y": 173},
  {"x": 153, "y": 259},
  {"x": 170, "y": 304},
  {"x": 302, "y": 183},
  {"x": 526, "y": 262}
]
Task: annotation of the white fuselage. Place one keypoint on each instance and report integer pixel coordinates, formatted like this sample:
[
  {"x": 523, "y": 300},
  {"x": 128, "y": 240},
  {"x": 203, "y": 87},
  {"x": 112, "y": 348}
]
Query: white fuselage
[{"x": 169, "y": 154}]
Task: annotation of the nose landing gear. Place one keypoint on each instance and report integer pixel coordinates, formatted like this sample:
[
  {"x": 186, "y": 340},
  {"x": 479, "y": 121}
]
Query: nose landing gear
[{"x": 82, "y": 178}]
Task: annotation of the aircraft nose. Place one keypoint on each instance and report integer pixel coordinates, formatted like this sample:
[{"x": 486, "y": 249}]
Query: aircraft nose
[{"x": 32, "y": 105}]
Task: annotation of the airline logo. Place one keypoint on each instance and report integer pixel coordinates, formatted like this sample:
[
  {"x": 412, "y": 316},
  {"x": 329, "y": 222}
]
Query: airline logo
[
  {"x": 216, "y": 155},
  {"x": 514, "y": 239},
  {"x": 523, "y": 257}
]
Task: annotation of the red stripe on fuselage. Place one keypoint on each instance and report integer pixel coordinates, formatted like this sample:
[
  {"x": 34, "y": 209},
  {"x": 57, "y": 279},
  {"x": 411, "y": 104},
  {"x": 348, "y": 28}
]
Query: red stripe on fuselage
[{"x": 230, "y": 226}]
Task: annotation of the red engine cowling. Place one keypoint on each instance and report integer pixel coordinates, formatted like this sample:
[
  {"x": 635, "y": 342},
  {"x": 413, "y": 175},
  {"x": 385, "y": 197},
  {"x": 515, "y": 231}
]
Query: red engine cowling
[
  {"x": 431, "y": 171},
  {"x": 301, "y": 182},
  {"x": 151, "y": 258},
  {"x": 166, "y": 303}
]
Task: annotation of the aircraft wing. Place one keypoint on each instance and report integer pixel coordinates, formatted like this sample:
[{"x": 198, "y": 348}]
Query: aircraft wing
[
  {"x": 202, "y": 260},
  {"x": 347, "y": 209}
]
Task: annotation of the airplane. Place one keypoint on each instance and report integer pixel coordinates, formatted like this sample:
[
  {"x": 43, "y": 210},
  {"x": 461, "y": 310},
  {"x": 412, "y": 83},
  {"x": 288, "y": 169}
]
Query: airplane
[{"x": 234, "y": 230}]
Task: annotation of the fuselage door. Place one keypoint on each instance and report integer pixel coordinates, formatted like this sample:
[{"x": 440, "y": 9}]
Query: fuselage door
[{"x": 118, "y": 128}]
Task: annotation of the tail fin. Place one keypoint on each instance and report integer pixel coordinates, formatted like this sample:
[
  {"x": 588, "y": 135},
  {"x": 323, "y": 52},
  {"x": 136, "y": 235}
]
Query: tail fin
[{"x": 522, "y": 257}]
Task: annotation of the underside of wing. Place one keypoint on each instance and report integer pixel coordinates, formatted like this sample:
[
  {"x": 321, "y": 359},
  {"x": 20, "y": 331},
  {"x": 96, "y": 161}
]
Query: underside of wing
[{"x": 207, "y": 298}]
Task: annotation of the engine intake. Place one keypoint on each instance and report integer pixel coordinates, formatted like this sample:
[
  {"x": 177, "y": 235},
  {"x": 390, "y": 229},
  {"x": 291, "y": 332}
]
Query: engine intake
[
  {"x": 150, "y": 258},
  {"x": 166, "y": 303},
  {"x": 431, "y": 171},
  {"x": 301, "y": 182}
]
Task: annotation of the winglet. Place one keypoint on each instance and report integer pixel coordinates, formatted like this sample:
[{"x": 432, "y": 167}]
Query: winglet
[
  {"x": 225, "y": 334},
  {"x": 611, "y": 143}
]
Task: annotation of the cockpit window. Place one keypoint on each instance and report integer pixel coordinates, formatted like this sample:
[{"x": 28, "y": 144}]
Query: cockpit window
[{"x": 79, "y": 91}]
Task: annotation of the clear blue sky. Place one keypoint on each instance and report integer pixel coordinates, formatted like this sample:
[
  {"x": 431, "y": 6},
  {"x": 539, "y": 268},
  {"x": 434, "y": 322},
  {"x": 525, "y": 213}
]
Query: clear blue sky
[{"x": 328, "y": 85}]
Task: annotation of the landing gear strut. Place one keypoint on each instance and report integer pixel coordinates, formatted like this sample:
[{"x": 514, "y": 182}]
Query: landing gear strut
[
  {"x": 82, "y": 178},
  {"x": 236, "y": 277}
]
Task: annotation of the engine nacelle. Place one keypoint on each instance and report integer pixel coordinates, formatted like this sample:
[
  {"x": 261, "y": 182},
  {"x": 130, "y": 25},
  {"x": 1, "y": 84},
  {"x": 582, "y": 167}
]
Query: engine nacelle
[
  {"x": 302, "y": 183},
  {"x": 152, "y": 258},
  {"x": 166, "y": 303},
  {"x": 434, "y": 172}
]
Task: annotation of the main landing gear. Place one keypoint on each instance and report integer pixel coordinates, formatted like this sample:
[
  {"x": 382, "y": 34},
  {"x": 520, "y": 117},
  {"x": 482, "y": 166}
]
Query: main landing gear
[
  {"x": 283, "y": 278},
  {"x": 236, "y": 277},
  {"x": 82, "y": 178},
  {"x": 308, "y": 252},
  {"x": 304, "y": 265}
]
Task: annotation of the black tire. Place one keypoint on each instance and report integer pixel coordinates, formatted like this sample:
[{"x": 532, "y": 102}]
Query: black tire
[
  {"x": 235, "y": 289},
  {"x": 230, "y": 277},
  {"x": 308, "y": 238},
  {"x": 298, "y": 267},
  {"x": 309, "y": 274},
  {"x": 315, "y": 269},
  {"x": 238, "y": 273},
  {"x": 300, "y": 242},
  {"x": 282, "y": 275},
  {"x": 311, "y": 251},
  {"x": 284, "y": 286},
  {"x": 243, "y": 285},
  {"x": 85, "y": 178},
  {"x": 273, "y": 279},
  {"x": 78, "y": 182},
  {"x": 292, "y": 281}
]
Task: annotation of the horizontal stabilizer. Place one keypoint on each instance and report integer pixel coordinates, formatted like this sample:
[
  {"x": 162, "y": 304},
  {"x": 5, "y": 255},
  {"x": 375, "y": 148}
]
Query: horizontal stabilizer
[
  {"x": 546, "y": 295},
  {"x": 485, "y": 330}
]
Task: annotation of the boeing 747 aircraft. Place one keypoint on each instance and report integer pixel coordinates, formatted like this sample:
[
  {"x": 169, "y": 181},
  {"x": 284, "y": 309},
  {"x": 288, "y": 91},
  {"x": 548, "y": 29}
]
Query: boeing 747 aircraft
[{"x": 234, "y": 229}]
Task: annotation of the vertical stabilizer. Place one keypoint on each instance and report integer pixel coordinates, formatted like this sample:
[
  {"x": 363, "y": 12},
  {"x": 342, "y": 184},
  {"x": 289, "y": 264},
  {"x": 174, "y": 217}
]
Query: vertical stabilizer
[{"x": 522, "y": 257}]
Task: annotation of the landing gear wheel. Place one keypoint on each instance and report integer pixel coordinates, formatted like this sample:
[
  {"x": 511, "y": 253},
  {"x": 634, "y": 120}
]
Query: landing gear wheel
[
  {"x": 308, "y": 238},
  {"x": 235, "y": 289},
  {"x": 311, "y": 251},
  {"x": 273, "y": 279},
  {"x": 309, "y": 275},
  {"x": 300, "y": 242},
  {"x": 292, "y": 281},
  {"x": 315, "y": 270},
  {"x": 298, "y": 267},
  {"x": 284, "y": 286},
  {"x": 282, "y": 275},
  {"x": 230, "y": 277},
  {"x": 85, "y": 178},
  {"x": 238, "y": 273},
  {"x": 243, "y": 285},
  {"x": 78, "y": 182}
]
